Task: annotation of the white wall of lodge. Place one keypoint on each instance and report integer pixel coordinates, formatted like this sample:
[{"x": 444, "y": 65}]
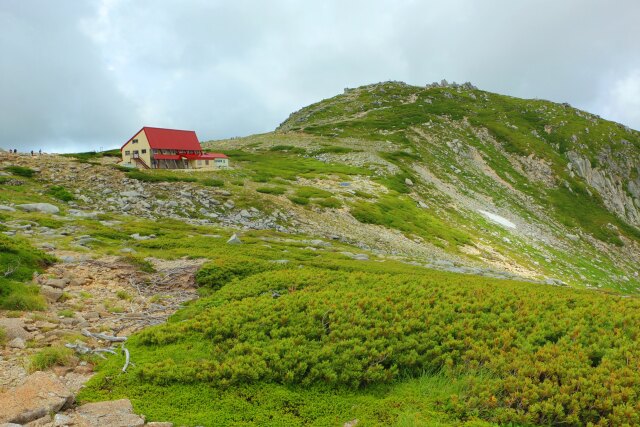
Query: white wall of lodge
[{"x": 137, "y": 148}]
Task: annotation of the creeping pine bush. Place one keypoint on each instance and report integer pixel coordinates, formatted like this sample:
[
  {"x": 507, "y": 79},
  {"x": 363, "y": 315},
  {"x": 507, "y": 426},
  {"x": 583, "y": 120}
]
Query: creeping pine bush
[
  {"x": 21, "y": 171},
  {"x": 271, "y": 190},
  {"x": 547, "y": 355},
  {"x": 224, "y": 269},
  {"x": 60, "y": 193}
]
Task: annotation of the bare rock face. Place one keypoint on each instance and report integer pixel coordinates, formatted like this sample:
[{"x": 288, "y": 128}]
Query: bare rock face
[
  {"x": 619, "y": 193},
  {"x": 115, "y": 413},
  {"x": 41, "y": 394}
]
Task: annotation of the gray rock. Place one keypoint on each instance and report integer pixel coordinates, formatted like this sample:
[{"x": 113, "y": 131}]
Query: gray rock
[
  {"x": 116, "y": 413},
  {"x": 17, "y": 343},
  {"x": 7, "y": 208},
  {"x": 408, "y": 182},
  {"x": 14, "y": 328},
  {"x": 50, "y": 294},
  {"x": 57, "y": 283},
  {"x": 130, "y": 194},
  {"x": 128, "y": 250},
  {"x": 60, "y": 420},
  {"x": 137, "y": 236},
  {"x": 422, "y": 204},
  {"x": 39, "y": 207},
  {"x": 234, "y": 240}
]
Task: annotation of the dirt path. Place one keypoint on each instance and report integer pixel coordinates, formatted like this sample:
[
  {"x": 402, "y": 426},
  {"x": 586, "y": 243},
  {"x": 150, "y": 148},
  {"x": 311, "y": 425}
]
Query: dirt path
[{"x": 106, "y": 295}]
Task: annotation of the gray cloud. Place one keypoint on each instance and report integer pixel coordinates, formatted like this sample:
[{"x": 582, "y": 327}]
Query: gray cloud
[{"x": 77, "y": 76}]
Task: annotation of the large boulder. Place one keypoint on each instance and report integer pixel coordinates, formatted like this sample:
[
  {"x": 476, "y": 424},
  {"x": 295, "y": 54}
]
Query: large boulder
[
  {"x": 39, "y": 207},
  {"x": 14, "y": 328},
  {"x": 41, "y": 394},
  {"x": 114, "y": 413}
]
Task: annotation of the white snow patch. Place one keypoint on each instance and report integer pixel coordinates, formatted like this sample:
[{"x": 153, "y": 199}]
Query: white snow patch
[{"x": 498, "y": 219}]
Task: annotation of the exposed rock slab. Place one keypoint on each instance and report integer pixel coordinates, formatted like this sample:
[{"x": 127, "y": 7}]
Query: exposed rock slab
[
  {"x": 41, "y": 394},
  {"x": 114, "y": 413},
  {"x": 39, "y": 207}
]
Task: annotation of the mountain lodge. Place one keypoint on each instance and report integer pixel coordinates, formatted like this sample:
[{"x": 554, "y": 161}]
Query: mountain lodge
[{"x": 158, "y": 148}]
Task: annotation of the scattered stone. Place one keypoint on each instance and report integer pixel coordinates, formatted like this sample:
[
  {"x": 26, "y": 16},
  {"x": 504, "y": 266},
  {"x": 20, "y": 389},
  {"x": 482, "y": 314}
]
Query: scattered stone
[
  {"x": 17, "y": 343},
  {"x": 41, "y": 394},
  {"x": 128, "y": 251},
  {"x": 50, "y": 294},
  {"x": 14, "y": 328},
  {"x": 57, "y": 283},
  {"x": 60, "y": 420},
  {"x": 158, "y": 424},
  {"x": 137, "y": 236},
  {"x": 234, "y": 240},
  {"x": 130, "y": 194},
  {"x": 422, "y": 204},
  {"x": 7, "y": 208},
  {"x": 408, "y": 182},
  {"x": 115, "y": 413},
  {"x": 39, "y": 207}
]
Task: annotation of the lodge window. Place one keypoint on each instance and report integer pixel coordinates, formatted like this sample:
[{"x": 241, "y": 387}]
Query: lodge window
[
  {"x": 144, "y": 151},
  {"x": 135, "y": 151},
  {"x": 126, "y": 153},
  {"x": 199, "y": 162},
  {"x": 135, "y": 141},
  {"x": 206, "y": 162}
]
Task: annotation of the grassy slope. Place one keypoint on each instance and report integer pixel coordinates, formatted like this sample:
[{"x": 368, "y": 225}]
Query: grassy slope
[
  {"x": 383, "y": 342},
  {"x": 373, "y": 341},
  {"x": 410, "y": 126},
  {"x": 18, "y": 259}
]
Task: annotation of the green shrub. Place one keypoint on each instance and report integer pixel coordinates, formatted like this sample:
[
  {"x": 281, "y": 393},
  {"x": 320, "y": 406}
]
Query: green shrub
[
  {"x": 66, "y": 313},
  {"x": 3, "y": 336},
  {"x": 330, "y": 202},
  {"x": 312, "y": 192},
  {"x": 124, "y": 295},
  {"x": 299, "y": 200},
  {"x": 51, "y": 356},
  {"x": 224, "y": 269},
  {"x": 21, "y": 171},
  {"x": 19, "y": 296},
  {"x": 211, "y": 182},
  {"x": 271, "y": 190},
  {"x": 140, "y": 263},
  {"x": 60, "y": 193},
  {"x": 19, "y": 260}
]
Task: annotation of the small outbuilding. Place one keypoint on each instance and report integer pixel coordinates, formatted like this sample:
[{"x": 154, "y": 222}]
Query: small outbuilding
[{"x": 158, "y": 148}]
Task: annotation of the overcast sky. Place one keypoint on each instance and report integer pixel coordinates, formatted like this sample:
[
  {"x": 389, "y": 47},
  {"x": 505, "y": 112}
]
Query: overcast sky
[{"x": 80, "y": 75}]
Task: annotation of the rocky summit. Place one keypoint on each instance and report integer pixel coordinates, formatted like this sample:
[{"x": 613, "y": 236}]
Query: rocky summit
[{"x": 394, "y": 255}]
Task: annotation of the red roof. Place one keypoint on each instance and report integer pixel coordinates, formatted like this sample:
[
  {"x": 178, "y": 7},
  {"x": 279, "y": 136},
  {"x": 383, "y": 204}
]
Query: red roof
[{"x": 170, "y": 139}]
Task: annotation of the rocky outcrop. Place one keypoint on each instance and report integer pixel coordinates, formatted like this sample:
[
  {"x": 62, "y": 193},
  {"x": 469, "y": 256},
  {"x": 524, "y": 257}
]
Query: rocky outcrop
[
  {"x": 39, "y": 207},
  {"x": 41, "y": 394},
  {"x": 619, "y": 193},
  {"x": 115, "y": 413}
]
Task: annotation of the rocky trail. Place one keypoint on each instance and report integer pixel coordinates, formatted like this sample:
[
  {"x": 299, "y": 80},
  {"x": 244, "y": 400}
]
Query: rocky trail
[{"x": 89, "y": 299}]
